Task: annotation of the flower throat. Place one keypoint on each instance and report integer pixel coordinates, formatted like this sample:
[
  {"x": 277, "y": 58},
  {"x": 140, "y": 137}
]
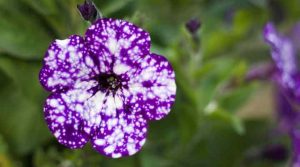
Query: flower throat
[{"x": 109, "y": 82}]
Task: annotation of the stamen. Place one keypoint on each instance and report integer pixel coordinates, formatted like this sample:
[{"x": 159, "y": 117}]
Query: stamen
[{"x": 109, "y": 82}]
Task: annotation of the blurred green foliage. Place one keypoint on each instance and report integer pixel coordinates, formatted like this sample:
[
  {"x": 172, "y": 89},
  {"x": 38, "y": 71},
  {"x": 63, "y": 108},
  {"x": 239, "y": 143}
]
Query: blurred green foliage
[{"x": 218, "y": 118}]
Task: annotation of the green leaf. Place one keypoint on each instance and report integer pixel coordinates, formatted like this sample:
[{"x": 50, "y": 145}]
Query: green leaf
[
  {"x": 233, "y": 120},
  {"x": 3, "y": 145},
  {"x": 22, "y": 98},
  {"x": 113, "y": 6},
  {"x": 22, "y": 33}
]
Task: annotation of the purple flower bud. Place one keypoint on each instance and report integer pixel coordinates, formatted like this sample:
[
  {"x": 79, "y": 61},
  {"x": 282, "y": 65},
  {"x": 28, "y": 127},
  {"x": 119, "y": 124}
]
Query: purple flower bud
[
  {"x": 88, "y": 11},
  {"x": 193, "y": 25},
  {"x": 229, "y": 15},
  {"x": 275, "y": 152}
]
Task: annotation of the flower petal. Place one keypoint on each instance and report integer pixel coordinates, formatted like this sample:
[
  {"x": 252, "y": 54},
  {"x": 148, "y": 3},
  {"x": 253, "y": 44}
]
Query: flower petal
[
  {"x": 65, "y": 124},
  {"x": 73, "y": 115},
  {"x": 151, "y": 88},
  {"x": 121, "y": 133},
  {"x": 287, "y": 115},
  {"x": 65, "y": 62},
  {"x": 283, "y": 54},
  {"x": 117, "y": 43},
  {"x": 295, "y": 135}
]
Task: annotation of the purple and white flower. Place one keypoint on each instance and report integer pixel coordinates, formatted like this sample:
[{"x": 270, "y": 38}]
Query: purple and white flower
[
  {"x": 283, "y": 54},
  {"x": 105, "y": 88},
  {"x": 287, "y": 77}
]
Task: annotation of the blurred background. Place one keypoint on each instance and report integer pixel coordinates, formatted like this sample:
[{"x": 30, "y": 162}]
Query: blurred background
[{"x": 221, "y": 118}]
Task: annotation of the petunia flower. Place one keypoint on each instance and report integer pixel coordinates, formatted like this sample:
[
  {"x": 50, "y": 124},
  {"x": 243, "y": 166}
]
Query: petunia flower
[
  {"x": 105, "y": 88},
  {"x": 287, "y": 77}
]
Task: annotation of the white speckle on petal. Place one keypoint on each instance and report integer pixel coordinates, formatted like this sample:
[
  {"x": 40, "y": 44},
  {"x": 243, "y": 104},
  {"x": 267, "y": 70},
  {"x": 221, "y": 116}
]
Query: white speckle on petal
[
  {"x": 57, "y": 134},
  {"x": 142, "y": 142},
  {"x": 89, "y": 61},
  {"x": 118, "y": 102},
  {"x": 131, "y": 148},
  {"x": 118, "y": 155},
  {"x": 60, "y": 119},
  {"x": 53, "y": 103},
  {"x": 111, "y": 106},
  {"x": 121, "y": 69},
  {"x": 62, "y": 43},
  {"x": 87, "y": 130},
  {"x": 126, "y": 29},
  {"x": 109, "y": 149},
  {"x": 100, "y": 142},
  {"x": 79, "y": 108},
  {"x": 129, "y": 129},
  {"x": 112, "y": 45}
]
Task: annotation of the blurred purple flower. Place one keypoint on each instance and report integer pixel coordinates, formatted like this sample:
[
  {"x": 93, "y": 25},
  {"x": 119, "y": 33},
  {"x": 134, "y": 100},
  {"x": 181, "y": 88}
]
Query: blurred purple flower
[
  {"x": 261, "y": 71},
  {"x": 105, "y": 88},
  {"x": 296, "y": 145},
  {"x": 288, "y": 117},
  {"x": 287, "y": 78},
  {"x": 275, "y": 152},
  {"x": 295, "y": 36},
  {"x": 229, "y": 15}
]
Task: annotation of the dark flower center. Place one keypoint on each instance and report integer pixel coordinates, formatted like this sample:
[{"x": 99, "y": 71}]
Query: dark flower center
[{"x": 109, "y": 82}]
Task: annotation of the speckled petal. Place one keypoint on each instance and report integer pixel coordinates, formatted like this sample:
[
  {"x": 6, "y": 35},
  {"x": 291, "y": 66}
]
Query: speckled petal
[
  {"x": 283, "y": 54},
  {"x": 121, "y": 133},
  {"x": 151, "y": 88},
  {"x": 65, "y": 62},
  {"x": 73, "y": 115},
  {"x": 117, "y": 44}
]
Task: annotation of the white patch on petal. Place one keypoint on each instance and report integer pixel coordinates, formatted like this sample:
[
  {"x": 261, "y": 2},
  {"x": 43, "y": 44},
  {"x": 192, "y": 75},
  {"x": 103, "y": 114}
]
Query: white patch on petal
[
  {"x": 121, "y": 69},
  {"x": 126, "y": 29},
  {"x": 61, "y": 119},
  {"x": 131, "y": 148},
  {"x": 93, "y": 107},
  {"x": 109, "y": 149},
  {"x": 79, "y": 108},
  {"x": 118, "y": 155},
  {"x": 142, "y": 142},
  {"x": 53, "y": 103},
  {"x": 57, "y": 134},
  {"x": 128, "y": 129},
  {"x": 92, "y": 27},
  {"x": 172, "y": 86},
  {"x": 87, "y": 130},
  {"x": 62, "y": 43},
  {"x": 89, "y": 62},
  {"x": 99, "y": 142},
  {"x": 112, "y": 45},
  {"x": 111, "y": 106},
  {"x": 118, "y": 102}
]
